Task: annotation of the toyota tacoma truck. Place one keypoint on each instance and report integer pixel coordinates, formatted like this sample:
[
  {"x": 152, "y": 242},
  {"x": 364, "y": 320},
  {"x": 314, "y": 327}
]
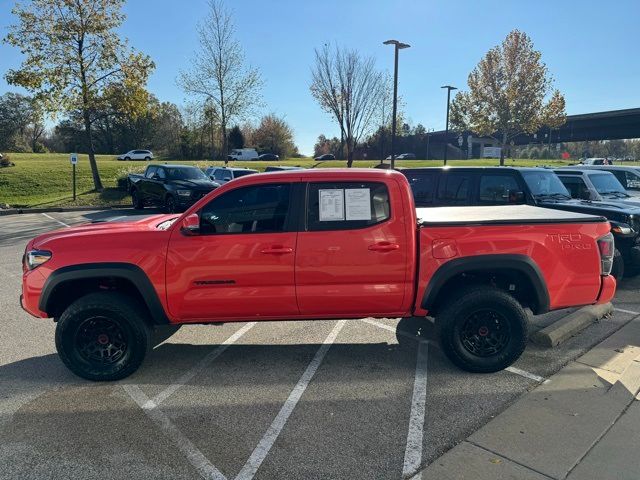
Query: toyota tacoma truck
[{"x": 314, "y": 244}]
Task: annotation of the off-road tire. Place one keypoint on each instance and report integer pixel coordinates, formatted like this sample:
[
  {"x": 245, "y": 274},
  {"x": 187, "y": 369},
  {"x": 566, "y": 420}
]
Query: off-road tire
[
  {"x": 129, "y": 320},
  {"x": 170, "y": 205},
  {"x": 504, "y": 317}
]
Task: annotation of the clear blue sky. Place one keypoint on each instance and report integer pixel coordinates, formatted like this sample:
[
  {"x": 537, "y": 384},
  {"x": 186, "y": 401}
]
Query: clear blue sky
[{"x": 590, "y": 46}]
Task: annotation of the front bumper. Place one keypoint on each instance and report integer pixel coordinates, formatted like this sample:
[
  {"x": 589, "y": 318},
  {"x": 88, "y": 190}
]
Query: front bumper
[{"x": 607, "y": 290}]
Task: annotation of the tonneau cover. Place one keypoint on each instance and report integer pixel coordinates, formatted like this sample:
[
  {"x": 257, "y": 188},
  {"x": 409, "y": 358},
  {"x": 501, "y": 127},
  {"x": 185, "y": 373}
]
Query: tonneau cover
[{"x": 499, "y": 215}]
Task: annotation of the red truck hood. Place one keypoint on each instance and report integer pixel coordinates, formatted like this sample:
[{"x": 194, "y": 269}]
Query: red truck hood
[{"x": 145, "y": 224}]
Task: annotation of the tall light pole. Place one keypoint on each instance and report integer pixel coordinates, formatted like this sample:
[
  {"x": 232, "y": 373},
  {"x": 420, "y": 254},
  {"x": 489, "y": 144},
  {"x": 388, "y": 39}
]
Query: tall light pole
[
  {"x": 398, "y": 46},
  {"x": 446, "y": 128}
]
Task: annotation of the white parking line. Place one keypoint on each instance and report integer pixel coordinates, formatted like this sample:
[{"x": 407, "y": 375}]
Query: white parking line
[
  {"x": 395, "y": 330},
  {"x": 199, "y": 367},
  {"x": 413, "y": 450},
  {"x": 529, "y": 375},
  {"x": 194, "y": 456},
  {"x": 56, "y": 220},
  {"x": 630, "y": 312},
  {"x": 113, "y": 219},
  {"x": 262, "y": 450}
]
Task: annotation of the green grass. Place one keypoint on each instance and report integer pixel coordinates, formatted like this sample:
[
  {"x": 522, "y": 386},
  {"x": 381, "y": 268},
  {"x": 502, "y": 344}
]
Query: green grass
[{"x": 41, "y": 180}]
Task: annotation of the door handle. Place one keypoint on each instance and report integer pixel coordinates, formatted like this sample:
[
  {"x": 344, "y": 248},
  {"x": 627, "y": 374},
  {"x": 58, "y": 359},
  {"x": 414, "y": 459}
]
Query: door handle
[
  {"x": 384, "y": 247},
  {"x": 277, "y": 250}
]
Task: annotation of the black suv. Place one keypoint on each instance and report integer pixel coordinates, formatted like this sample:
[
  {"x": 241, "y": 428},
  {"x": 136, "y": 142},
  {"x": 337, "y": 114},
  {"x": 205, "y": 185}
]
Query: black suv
[{"x": 448, "y": 186}]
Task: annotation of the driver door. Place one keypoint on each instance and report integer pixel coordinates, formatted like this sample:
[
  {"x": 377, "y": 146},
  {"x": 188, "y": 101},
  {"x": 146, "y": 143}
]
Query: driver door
[{"x": 240, "y": 265}]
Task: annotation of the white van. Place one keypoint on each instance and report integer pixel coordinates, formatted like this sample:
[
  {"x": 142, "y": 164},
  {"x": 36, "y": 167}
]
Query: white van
[{"x": 243, "y": 154}]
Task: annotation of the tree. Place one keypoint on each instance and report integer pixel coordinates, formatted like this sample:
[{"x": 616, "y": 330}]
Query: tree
[
  {"x": 236, "y": 138},
  {"x": 507, "y": 93},
  {"x": 347, "y": 86},
  {"x": 218, "y": 74},
  {"x": 73, "y": 56},
  {"x": 326, "y": 145},
  {"x": 274, "y": 135}
]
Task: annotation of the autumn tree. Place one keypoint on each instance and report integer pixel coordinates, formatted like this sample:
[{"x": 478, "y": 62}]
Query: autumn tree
[
  {"x": 73, "y": 57},
  {"x": 274, "y": 135},
  {"x": 348, "y": 87},
  {"x": 510, "y": 93},
  {"x": 218, "y": 73}
]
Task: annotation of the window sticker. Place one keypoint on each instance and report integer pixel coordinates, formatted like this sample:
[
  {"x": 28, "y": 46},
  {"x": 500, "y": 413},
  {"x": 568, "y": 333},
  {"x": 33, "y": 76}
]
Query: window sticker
[
  {"x": 358, "y": 203},
  {"x": 331, "y": 205}
]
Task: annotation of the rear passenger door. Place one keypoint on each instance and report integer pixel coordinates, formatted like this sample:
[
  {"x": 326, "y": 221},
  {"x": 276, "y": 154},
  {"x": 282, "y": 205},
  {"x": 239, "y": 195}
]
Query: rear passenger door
[
  {"x": 352, "y": 251},
  {"x": 455, "y": 188}
]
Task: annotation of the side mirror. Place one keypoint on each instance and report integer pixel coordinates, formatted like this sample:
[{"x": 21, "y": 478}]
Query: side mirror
[
  {"x": 516, "y": 197},
  {"x": 191, "y": 225}
]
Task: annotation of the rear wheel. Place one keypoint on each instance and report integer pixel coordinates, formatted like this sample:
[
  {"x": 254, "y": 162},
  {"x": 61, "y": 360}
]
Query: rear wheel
[
  {"x": 147, "y": 158},
  {"x": 103, "y": 336},
  {"x": 136, "y": 201},
  {"x": 483, "y": 329},
  {"x": 127, "y": 158}
]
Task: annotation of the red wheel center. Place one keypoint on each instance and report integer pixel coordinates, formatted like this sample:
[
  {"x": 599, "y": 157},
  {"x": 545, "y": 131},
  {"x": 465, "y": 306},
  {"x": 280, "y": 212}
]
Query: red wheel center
[
  {"x": 483, "y": 331},
  {"x": 103, "y": 339}
]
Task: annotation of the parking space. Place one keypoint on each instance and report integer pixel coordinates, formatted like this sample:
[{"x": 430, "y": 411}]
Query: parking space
[{"x": 327, "y": 399}]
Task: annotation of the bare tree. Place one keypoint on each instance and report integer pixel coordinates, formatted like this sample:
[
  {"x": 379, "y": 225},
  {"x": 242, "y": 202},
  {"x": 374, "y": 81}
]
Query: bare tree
[
  {"x": 218, "y": 73},
  {"x": 348, "y": 87}
]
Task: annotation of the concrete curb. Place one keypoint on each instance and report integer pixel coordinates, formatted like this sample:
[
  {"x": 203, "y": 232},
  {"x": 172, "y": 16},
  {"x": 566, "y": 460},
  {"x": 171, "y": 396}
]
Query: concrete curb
[
  {"x": 568, "y": 326},
  {"x": 18, "y": 211}
]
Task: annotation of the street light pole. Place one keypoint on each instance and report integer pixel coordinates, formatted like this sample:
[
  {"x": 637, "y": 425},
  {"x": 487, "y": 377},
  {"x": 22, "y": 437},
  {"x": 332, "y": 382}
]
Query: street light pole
[
  {"x": 446, "y": 128},
  {"x": 397, "y": 46}
]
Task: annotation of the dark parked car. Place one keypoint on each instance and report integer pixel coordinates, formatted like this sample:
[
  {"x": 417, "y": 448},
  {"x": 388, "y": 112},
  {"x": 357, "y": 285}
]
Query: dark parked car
[
  {"x": 326, "y": 156},
  {"x": 222, "y": 175},
  {"x": 268, "y": 157},
  {"x": 280, "y": 168},
  {"x": 594, "y": 185},
  {"x": 173, "y": 187},
  {"x": 628, "y": 176},
  {"x": 448, "y": 186}
]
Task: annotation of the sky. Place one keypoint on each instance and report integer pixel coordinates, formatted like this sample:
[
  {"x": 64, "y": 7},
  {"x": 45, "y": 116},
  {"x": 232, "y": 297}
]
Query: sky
[{"x": 590, "y": 47}]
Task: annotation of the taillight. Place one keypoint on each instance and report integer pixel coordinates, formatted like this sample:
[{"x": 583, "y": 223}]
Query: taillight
[{"x": 607, "y": 248}]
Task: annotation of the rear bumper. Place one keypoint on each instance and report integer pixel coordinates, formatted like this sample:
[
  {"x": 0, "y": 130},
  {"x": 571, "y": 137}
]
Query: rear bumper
[{"x": 607, "y": 290}]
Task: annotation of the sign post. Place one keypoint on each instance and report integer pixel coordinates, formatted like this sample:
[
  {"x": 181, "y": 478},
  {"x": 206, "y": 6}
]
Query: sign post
[{"x": 73, "y": 158}]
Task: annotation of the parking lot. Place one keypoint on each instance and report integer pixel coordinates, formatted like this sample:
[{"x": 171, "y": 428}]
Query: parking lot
[{"x": 325, "y": 399}]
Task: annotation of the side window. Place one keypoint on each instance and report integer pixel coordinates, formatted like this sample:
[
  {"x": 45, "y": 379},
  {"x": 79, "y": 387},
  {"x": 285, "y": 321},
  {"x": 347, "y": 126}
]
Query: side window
[
  {"x": 576, "y": 186},
  {"x": 226, "y": 175},
  {"x": 217, "y": 174},
  {"x": 621, "y": 176},
  {"x": 346, "y": 205},
  {"x": 162, "y": 174},
  {"x": 254, "y": 209},
  {"x": 497, "y": 188},
  {"x": 454, "y": 189},
  {"x": 632, "y": 181},
  {"x": 422, "y": 187},
  {"x": 151, "y": 171}
]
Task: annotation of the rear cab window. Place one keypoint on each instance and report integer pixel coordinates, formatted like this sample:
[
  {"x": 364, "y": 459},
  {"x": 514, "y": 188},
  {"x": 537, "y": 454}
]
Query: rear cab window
[
  {"x": 423, "y": 187},
  {"x": 346, "y": 205},
  {"x": 454, "y": 188},
  {"x": 495, "y": 189}
]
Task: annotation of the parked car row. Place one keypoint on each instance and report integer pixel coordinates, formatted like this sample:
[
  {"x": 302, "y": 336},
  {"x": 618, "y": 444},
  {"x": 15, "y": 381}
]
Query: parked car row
[
  {"x": 236, "y": 154},
  {"x": 589, "y": 190}
]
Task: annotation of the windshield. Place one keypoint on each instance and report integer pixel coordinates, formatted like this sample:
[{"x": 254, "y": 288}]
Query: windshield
[
  {"x": 185, "y": 173},
  {"x": 545, "y": 184},
  {"x": 606, "y": 183}
]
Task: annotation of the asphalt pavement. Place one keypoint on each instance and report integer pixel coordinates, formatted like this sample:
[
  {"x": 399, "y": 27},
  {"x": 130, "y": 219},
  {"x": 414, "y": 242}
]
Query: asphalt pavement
[{"x": 267, "y": 400}]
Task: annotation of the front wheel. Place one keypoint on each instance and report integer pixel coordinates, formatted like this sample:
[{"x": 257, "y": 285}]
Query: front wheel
[
  {"x": 103, "y": 336},
  {"x": 483, "y": 329},
  {"x": 136, "y": 201},
  {"x": 170, "y": 204}
]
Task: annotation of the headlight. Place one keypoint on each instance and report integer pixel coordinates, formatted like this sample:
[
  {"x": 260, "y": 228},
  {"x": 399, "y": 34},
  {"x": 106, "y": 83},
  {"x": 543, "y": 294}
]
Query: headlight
[
  {"x": 184, "y": 193},
  {"x": 35, "y": 258}
]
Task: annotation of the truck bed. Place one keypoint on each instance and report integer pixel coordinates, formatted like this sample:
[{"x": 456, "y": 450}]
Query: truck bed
[{"x": 499, "y": 215}]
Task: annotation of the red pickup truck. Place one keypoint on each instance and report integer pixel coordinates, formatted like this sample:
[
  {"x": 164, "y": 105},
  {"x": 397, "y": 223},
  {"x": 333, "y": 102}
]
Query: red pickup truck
[{"x": 314, "y": 244}]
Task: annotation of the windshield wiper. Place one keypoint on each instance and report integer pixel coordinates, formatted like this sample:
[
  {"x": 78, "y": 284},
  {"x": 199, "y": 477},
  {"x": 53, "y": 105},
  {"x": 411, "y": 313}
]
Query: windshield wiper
[
  {"x": 616, "y": 193},
  {"x": 555, "y": 196}
]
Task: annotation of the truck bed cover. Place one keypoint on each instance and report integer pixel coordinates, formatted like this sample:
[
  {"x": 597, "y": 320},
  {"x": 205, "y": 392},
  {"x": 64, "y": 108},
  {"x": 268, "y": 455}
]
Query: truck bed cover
[{"x": 499, "y": 215}]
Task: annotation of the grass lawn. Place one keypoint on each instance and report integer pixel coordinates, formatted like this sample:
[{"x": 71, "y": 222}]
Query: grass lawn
[{"x": 41, "y": 180}]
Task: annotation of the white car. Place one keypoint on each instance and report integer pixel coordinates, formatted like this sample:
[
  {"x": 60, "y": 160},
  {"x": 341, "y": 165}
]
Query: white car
[
  {"x": 137, "y": 155},
  {"x": 243, "y": 154}
]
